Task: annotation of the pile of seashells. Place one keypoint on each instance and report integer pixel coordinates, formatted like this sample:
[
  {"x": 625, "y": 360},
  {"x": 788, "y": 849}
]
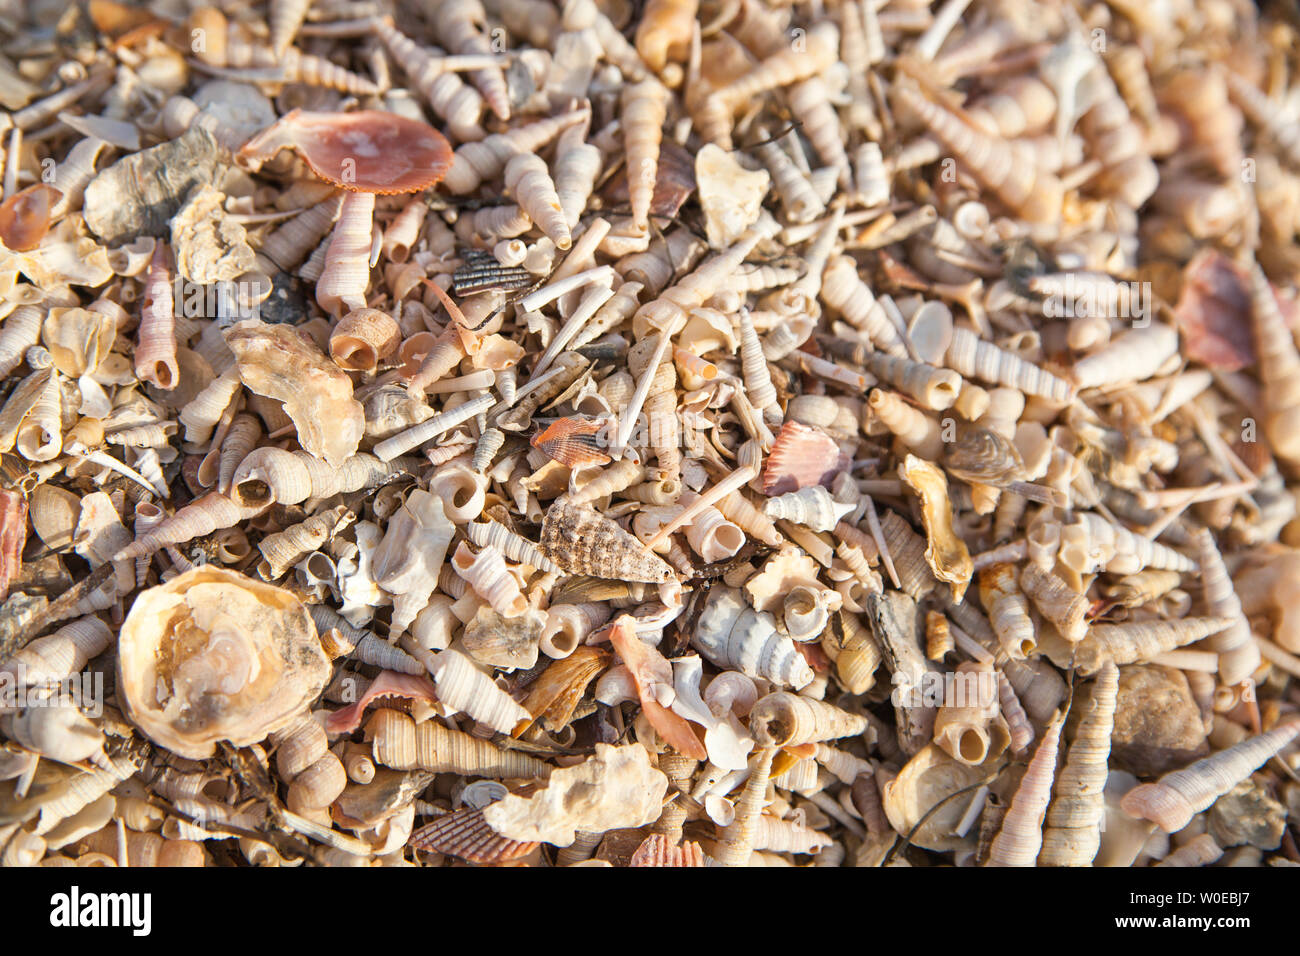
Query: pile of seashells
[{"x": 698, "y": 432}]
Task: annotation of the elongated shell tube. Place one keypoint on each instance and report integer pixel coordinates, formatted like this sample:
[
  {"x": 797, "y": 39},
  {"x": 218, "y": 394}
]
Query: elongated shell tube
[
  {"x": 446, "y": 93},
  {"x": 784, "y": 719},
  {"x": 973, "y": 357},
  {"x": 1055, "y": 600},
  {"x": 402, "y": 744},
  {"x": 1235, "y": 645},
  {"x": 1021, "y": 837},
  {"x": 918, "y": 431},
  {"x": 390, "y": 448},
  {"x": 736, "y": 841},
  {"x": 462, "y": 686},
  {"x": 475, "y": 162},
  {"x": 734, "y": 636},
  {"x": 61, "y": 654},
  {"x": 286, "y": 548},
  {"x": 529, "y": 183},
  {"x": 1007, "y": 168},
  {"x": 1008, "y": 611},
  {"x": 1072, "y": 833},
  {"x": 488, "y": 575},
  {"x": 645, "y": 108},
  {"x": 1172, "y": 801},
  {"x": 210, "y": 513},
  {"x": 844, "y": 290},
  {"x": 342, "y": 286},
  {"x": 491, "y": 534},
  {"x": 1140, "y": 640},
  {"x": 1132, "y": 357}
]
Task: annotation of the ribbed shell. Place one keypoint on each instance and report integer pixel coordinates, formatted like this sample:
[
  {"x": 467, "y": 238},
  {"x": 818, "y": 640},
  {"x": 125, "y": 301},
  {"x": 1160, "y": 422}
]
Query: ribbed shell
[
  {"x": 1056, "y": 601},
  {"x": 813, "y": 507},
  {"x": 475, "y": 162},
  {"x": 1072, "y": 833},
  {"x": 463, "y": 687},
  {"x": 645, "y": 108},
  {"x": 487, "y": 574},
  {"x": 529, "y": 183},
  {"x": 844, "y": 290},
  {"x": 1175, "y": 798},
  {"x": 1279, "y": 369},
  {"x": 1235, "y": 645},
  {"x": 491, "y": 534},
  {"x": 1008, "y": 169},
  {"x": 342, "y": 286},
  {"x": 784, "y": 719},
  {"x": 466, "y": 835},
  {"x": 155, "y": 353},
  {"x": 1140, "y": 640},
  {"x": 1021, "y": 837},
  {"x": 581, "y": 541},
  {"x": 736, "y": 842},
  {"x": 401, "y": 743},
  {"x": 975, "y": 358},
  {"x": 732, "y": 635},
  {"x": 363, "y": 338},
  {"x": 210, "y": 513}
]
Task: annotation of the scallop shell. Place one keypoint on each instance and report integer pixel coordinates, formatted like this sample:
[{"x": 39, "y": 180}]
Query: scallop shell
[
  {"x": 467, "y": 835},
  {"x": 800, "y": 457}
]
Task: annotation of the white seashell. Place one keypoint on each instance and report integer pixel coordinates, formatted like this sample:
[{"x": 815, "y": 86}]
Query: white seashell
[
  {"x": 813, "y": 507},
  {"x": 733, "y": 635}
]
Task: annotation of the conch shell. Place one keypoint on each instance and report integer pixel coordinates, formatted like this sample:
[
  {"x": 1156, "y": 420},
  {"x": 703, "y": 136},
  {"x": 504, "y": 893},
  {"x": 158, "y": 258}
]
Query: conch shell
[
  {"x": 813, "y": 507},
  {"x": 734, "y": 636},
  {"x": 214, "y": 655}
]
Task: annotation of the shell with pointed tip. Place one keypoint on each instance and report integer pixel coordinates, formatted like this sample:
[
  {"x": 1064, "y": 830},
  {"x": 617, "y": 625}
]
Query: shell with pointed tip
[
  {"x": 401, "y": 743},
  {"x": 581, "y": 541},
  {"x": 784, "y": 719},
  {"x": 1235, "y": 645},
  {"x": 973, "y": 357},
  {"x": 1175, "y": 798},
  {"x": 1056, "y": 601},
  {"x": 463, "y": 687},
  {"x": 734, "y": 636},
  {"x": 1140, "y": 640},
  {"x": 1072, "y": 830},
  {"x": 1021, "y": 837},
  {"x": 813, "y": 507}
]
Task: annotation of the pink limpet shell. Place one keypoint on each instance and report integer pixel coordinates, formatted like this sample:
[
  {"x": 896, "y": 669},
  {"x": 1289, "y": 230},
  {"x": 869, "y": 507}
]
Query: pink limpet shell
[{"x": 367, "y": 151}]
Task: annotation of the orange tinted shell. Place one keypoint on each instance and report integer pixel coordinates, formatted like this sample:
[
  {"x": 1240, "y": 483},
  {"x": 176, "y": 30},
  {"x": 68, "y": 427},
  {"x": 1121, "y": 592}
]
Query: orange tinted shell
[
  {"x": 368, "y": 151},
  {"x": 25, "y": 217},
  {"x": 573, "y": 442}
]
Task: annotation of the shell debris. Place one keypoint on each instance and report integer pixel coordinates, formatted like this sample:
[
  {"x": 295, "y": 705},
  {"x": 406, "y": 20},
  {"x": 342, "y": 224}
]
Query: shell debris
[{"x": 525, "y": 432}]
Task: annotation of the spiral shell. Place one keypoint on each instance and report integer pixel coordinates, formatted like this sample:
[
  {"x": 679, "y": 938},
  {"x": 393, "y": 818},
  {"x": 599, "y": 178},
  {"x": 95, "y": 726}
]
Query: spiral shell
[
  {"x": 402, "y": 744},
  {"x": 813, "y": 507},
  {"x": 733, "y": 635},
  {"x": 1175, "y": 798}
]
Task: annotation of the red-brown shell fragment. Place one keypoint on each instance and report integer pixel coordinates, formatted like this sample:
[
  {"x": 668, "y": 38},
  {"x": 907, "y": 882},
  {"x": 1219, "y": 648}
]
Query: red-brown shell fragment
[
  {"x": 1213, "y": 312},
  {"x": 802, "y": 456},
  {"x": 465, "y": 834},
  {"x": 367, "y": 151},
  {"x": 25, "y": 217},
  {"x": 573, "y": 442},
  {"x": 388, "y": 685},
  {"x": 13, "y": 535}
]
